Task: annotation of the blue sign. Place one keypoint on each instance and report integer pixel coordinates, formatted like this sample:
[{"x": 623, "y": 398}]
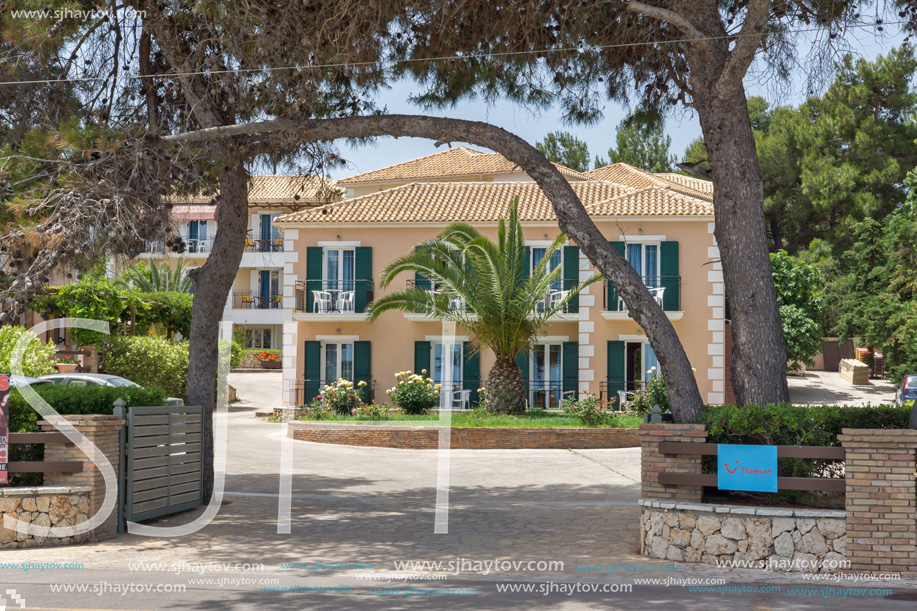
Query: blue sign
[{"x": 751, "y": 468}]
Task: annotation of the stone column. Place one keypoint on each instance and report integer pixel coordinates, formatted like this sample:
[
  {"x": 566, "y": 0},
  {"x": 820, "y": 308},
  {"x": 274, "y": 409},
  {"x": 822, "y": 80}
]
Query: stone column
[
  {"x": 103, "y": 431},
  {"x": 881, "y": 513},
  {"x": 653, "y": 463}
]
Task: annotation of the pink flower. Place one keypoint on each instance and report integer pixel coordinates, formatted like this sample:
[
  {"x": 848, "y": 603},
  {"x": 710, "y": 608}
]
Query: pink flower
[{"x": 353, "y": 412}]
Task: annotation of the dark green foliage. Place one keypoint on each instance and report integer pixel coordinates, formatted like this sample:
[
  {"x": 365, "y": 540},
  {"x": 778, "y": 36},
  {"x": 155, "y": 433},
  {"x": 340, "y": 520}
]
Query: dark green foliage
[
  {"x": 565, "y": 149},
  {"x": 799, "y": 287},
  {"x": 67, "y": 400},
  {"x": 148, "y": 361},
  {"x": 168, "y": 311},
  {"x": 642, "y": 143}
]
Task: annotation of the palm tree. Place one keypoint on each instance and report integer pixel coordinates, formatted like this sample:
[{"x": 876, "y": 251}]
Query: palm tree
[
  {"x": 155, "y": 279},
  {"x": 481, "y": 285}
]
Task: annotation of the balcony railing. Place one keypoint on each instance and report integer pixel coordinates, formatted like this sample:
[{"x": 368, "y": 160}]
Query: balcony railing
[
  {"x": 308, "y": 390},
  {"x": 271, "y": 245},
  {"x": 253, "y": 300},
  {"x": 333, "y": 296},
  {"x": 192, "y": 246},
  {"x": 554, "y": 295},
  {"x": 665, "y": 289}
]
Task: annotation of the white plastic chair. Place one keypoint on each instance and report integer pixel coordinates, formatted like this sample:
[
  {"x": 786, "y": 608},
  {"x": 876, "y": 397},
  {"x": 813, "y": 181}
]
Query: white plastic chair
[
  {"x": 346, "y": 301},
  {"x": 321, "y": 301},
  {"x": 657, "y": 294},
  {"x": 457, "y": 303},
  {"x": 463, "y": 397},
  {"x": 557, "y": 297}
]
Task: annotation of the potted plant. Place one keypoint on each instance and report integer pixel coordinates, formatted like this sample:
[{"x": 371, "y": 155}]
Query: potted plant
[
  {"x": 270, "y": 360},
  {"x": 67, "y": 365}
]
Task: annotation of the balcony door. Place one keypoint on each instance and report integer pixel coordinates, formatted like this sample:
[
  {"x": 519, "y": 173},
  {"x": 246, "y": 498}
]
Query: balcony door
[
  {"x": 538, "y": 253},
  {"x": 197, "y": 236},
  {"x": 447, "y": 358},
  {"x": 644, "y": 258},
  {"x": 641, "y": 364},
  {"x": 339, "y": 268}
]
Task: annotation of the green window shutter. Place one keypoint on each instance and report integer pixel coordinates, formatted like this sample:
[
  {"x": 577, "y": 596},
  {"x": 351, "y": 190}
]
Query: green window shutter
[
  {"x": 363, "y": 367},
  {"x": 671, "y": 280},
  {"x": 617, "y": 378},
  {"x": 422, "y": 357},
  {"x": 471, "y": 371},
  {"x": 527, "y": 264},
  {"x": 570, "y": 365},
  {"x": 312, "y": 370},
  {"x": 313, "y": 274},
  {"x": 422, "y": 282},
  {"x": 522, "y": 360},
  {"x": 571, "y": 275},
  {"x": 363, "y": 274},
  {"x": 612, "y": 304}
]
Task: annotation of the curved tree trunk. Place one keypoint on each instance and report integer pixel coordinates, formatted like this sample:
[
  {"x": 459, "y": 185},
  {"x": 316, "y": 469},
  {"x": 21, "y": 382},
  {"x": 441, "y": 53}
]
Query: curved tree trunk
[
  {"x": 681, "y": 386},
  {"x": 505, "y": 387}
]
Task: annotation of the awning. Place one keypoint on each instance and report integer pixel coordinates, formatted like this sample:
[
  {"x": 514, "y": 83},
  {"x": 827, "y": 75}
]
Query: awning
[{"x": 194, "y": 212}]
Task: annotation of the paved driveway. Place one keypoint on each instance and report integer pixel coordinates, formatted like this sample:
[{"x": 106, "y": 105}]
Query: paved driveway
[
  {"x": 827, "y": 388},
  {"x": 376, "y": 506}
]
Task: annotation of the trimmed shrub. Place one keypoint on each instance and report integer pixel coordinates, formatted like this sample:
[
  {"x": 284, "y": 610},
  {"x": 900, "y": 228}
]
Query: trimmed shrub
[
  {"x": 236, "y": 355},
  {"x": 148, "y": 361},
  {"x": 37, "y": 360},
  {"x": 413, "y": 393},
  {"x": 67, "y": 400}
]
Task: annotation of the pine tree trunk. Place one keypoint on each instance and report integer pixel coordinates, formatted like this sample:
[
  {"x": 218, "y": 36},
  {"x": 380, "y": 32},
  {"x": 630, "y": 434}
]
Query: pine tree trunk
[
  {"x": 212, "y": 283},
  {"x": 758, "y": 349},
  {"x": 505, "y": 387}
]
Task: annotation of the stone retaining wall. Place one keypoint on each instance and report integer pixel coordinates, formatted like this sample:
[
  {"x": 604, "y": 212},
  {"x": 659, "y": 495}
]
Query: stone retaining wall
[
  {"x": 798, "y": 540},
  {"x": 463, "y": 438},
  {"x": 46, "y": 506}
]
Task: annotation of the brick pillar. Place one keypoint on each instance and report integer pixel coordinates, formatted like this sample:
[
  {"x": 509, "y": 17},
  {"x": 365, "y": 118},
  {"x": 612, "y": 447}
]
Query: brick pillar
[
  {"x": 881, "y": 513},
  {"x": 653, "y": 463},
  {"x": 103, "y": 432}
]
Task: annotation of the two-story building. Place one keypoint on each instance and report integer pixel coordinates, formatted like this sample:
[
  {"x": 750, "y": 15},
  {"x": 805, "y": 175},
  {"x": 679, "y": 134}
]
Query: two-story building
[
  {"x": 662, "y": 223},
  {"x": 255, "y": 301}
]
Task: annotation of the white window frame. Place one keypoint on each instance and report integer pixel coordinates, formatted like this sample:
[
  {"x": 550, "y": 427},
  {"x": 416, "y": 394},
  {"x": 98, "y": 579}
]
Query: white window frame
[
  {"x": 643, "y": 244},
  {"x": 338, "y": 360},
  {"x": 551, "y": 343}
]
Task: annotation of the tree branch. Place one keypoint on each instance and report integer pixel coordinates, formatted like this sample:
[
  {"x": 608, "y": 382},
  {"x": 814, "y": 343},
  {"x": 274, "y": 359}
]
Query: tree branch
[
  {"x": 747, "y": 42},
  {"x": 668, "y": 16}
]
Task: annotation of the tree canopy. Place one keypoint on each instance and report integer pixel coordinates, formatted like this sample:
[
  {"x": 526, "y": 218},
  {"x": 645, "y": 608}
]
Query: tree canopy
[
  {"x": 565, "y": 149},
  {"x": 641, "y": 142}
]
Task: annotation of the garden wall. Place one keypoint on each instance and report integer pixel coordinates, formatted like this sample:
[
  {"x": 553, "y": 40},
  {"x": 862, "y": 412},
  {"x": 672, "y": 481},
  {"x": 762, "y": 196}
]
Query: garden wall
[
  {"x": 45, "y": 506},
  {"x": 463, "y": 438},
  {"x": 750, "y": 537}
]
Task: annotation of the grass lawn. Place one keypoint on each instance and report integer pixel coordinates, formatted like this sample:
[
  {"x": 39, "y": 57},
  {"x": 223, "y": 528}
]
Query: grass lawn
[{"x": 532, "y": 418}]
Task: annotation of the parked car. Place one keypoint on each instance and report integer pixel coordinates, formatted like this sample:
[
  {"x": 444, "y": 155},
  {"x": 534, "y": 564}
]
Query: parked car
[
  {"x": 97, "y": 379},
  {"x": 907, "y": 390},
  {"x": 20, "y": 381}
]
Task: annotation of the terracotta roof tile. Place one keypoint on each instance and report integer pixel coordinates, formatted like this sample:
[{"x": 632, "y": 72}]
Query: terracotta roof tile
[
  {"x": 626, "y": 174},
  {"x": 452, "y": 163},
  {"x": 487, "y": 202},
  {"x": 698, "y": 184}
]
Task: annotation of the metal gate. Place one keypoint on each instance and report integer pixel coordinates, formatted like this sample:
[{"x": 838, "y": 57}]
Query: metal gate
[{"x": 163, "y": 461}]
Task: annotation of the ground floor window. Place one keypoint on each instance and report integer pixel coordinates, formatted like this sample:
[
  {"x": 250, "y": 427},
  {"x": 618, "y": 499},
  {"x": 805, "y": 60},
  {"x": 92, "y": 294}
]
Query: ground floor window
[
  {"x": 338, "y": 361},
  {"x": 259, "y": 338},
  {"x": 546, "y": 386}
]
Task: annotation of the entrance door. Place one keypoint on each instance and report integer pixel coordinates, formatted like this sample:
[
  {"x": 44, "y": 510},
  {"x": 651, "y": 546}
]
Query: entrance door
[
  {"x": 547, "y": 382},
  {"x": 641, "y": 360}
]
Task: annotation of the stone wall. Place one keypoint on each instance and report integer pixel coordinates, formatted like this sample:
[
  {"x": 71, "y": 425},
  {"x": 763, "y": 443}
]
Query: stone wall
[
  {"x": 44, "y": 506},
  {"x": 796, "y": 540},
  {"x": 463, "y": 438}
]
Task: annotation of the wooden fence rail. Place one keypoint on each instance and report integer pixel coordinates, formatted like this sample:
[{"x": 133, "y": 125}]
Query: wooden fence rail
[
  {"x": 44, "y": 466},
  {"x": 821, "y": 484}
]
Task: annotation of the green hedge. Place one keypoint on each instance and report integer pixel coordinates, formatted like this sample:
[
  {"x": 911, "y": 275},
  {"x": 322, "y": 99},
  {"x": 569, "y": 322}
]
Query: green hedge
[
  {"x": 67, "y": 400},
  {"x": 792, "y": 425},
  {"x": 148, "y": 361}
]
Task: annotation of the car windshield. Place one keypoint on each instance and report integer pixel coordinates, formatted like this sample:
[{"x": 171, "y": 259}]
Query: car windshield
[{"x": 121, "y": 382}]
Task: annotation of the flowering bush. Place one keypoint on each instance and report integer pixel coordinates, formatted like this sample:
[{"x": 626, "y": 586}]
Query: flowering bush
[
  {"x": 67, "y": 360},
  {"x": 374, "y": 411},
  {"x": 342, "y": 398},
  {"x": 414, "y": 393},
  {"x": 652, "y": 394},
  {"x": 589, "y": 410},
  {"x": 268, "y": 356},
  {"x": 317, "y": 411}
]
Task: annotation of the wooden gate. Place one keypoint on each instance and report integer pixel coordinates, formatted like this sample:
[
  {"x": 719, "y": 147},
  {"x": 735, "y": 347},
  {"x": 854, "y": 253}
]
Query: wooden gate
[{"x": 163, "y": 461}]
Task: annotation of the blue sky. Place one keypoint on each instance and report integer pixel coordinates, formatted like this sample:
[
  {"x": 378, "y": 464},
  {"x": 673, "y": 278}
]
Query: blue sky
[{"x": 681, "y": 124}]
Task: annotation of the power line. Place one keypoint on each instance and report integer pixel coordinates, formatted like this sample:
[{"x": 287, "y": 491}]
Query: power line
[{"x": 385, "y": 62}]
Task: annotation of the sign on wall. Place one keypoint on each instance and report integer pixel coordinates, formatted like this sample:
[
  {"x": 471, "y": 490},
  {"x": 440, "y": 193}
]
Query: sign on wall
[
  {"x": 4, "y": 426},
  {"x": 750, "y": 468}
]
